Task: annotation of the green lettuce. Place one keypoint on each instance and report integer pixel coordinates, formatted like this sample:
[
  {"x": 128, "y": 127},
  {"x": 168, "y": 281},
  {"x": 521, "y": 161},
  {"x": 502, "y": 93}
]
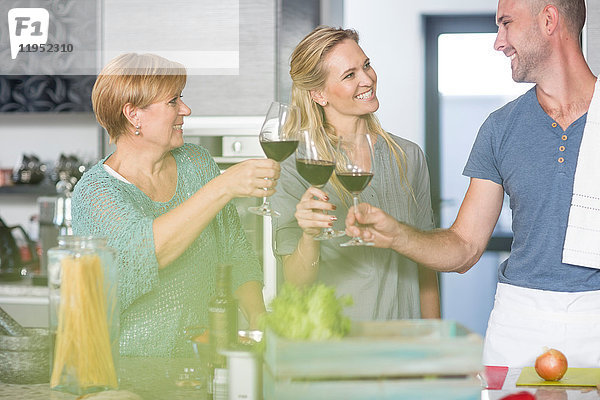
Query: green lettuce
[{"x": 312, "y": 313}]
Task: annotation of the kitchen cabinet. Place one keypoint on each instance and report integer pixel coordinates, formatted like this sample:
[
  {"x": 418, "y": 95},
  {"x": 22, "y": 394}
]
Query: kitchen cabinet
[
  {"x": 43, "y": 189},
  {"x": 58, "y": 78},
  {"x": 295, "y": 20},
  {"x": 263, "y": 32},
  {"x": 192, "y": 30}
]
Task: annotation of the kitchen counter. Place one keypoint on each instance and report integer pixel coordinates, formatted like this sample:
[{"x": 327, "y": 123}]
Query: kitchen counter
[
  {"x": 154, "y": 379},
  {"x": 541, "y": 393},
  {"x": 26, "y": 303},
  {"x": 150, "y": 378},
  {"x": 23, "y": 288}
]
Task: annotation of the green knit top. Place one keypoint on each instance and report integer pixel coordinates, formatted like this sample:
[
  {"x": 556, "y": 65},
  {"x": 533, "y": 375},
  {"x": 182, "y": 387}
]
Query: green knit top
[{"x": 157, "y": 305}]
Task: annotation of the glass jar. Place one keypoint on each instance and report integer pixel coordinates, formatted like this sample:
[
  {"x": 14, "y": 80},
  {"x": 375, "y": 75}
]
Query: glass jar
[{"x": 84, "y": 315}]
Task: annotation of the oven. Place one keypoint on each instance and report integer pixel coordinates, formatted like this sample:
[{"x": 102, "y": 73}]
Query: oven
[{"x": 231, "y": 140}]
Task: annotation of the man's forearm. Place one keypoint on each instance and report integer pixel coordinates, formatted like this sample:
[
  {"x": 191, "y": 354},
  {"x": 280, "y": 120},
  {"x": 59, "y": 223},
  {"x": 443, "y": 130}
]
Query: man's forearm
[{"x": 439, "y": 249}]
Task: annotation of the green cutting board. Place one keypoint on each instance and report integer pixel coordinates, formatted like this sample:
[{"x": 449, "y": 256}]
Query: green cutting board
[{"x": 573, "y": 377}]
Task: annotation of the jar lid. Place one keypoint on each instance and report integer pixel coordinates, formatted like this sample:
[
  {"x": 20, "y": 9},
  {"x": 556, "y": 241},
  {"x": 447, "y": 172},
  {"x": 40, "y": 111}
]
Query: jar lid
[{"x": 81, "y": 241}]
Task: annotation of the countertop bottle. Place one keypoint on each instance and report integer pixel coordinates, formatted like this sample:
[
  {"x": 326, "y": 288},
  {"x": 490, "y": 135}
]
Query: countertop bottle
[{"x": 222, "y": 320}]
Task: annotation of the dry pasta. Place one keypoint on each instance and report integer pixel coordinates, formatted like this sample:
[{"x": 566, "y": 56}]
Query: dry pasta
[{"x": 82, "y": 352}]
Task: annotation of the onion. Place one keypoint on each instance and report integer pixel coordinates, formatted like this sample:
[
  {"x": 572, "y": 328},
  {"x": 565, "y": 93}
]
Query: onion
[{"x": 551, "y": 365}]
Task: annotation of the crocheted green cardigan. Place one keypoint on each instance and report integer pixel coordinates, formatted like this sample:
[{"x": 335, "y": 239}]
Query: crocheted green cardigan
[{"x": 156, "y": 306}]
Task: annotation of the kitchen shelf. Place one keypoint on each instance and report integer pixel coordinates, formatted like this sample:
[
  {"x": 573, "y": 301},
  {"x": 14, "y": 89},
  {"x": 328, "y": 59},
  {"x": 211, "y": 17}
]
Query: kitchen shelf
[{"x": 42, "y": 189}]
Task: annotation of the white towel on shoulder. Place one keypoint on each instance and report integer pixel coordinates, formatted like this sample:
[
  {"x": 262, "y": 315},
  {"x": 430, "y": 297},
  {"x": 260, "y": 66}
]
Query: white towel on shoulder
[{"x": 582, "y": 241}]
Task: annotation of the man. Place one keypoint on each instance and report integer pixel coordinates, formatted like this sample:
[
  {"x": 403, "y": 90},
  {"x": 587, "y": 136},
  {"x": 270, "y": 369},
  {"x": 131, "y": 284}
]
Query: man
[{"x": 528, "y": 148}]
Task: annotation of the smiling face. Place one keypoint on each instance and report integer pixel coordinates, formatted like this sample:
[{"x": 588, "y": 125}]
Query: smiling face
[
  {"x": 351, "y": 83},
  {"x": 162, "y": 122},
  {"x": 521, "y": 38}
]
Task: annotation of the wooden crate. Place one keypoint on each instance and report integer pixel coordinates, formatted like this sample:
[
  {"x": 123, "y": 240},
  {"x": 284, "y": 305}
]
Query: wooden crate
[
  {"x": 414, "y": 359},
  {"x": 467, "y": 388}
]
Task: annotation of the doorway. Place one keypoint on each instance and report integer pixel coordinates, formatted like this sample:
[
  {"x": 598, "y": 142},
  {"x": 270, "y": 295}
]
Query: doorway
[{"x": 466, "y": 79}]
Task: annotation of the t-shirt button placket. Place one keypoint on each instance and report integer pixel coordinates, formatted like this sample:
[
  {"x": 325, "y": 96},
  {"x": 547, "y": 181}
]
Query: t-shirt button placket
[
  {"x": 564, "y": 138},
  {"x": 561, "y": 149}
]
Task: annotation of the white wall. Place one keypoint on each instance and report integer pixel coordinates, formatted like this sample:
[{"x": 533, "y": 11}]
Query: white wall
[
  {"x": 47, "y": 135},
  {"x": 392, "y": 35}
]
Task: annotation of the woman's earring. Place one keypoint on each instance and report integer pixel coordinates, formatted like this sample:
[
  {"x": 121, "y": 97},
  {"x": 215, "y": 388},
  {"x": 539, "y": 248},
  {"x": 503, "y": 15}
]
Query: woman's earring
[
  {"x": 137, "y": 130},
  {"x": 323, "y": 103}
]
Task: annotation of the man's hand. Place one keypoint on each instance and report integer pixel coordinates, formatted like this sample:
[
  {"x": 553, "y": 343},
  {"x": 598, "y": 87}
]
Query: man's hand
[
  {"x": 457, "y": 248},
  {"x": 374, "y": 225}
]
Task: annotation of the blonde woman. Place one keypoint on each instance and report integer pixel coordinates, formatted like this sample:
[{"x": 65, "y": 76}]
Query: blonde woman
[
  {"x": 335, "y": 86},
  {"x": 165, "y": 207}
]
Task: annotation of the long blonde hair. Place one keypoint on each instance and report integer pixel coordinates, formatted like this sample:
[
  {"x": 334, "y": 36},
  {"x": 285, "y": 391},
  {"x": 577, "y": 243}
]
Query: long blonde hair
[{"x": 308, "y": 72}]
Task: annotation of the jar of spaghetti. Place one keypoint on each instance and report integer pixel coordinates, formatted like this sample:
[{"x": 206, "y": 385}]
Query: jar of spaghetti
[{"x": 84, "y": 315}]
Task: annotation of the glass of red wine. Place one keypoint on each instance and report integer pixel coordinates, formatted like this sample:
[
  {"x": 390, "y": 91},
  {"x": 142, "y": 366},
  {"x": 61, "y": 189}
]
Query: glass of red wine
[
  {"x": 354, "y": 170},
  {"x": 315, "y": 162},
  {"x": 278, "y": 139}
]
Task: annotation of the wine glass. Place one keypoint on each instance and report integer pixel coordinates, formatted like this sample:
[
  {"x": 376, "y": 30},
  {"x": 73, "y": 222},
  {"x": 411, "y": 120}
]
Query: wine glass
[
  {"x": 315, "y": 162},
  {"x": 278, "y": 139},
  {"x": 354, "y": 170}
]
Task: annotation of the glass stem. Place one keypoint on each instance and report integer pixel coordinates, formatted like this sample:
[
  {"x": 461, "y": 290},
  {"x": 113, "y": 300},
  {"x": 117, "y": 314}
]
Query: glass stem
[
  {"x": 355, "y": 201},
  {"x": 265, "y": 204},
  {"x": 324, "y": 211},
  {"x": 328, "y": 229}
]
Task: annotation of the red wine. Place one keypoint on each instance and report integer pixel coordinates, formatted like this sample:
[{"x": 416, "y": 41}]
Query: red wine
[
  {"x": 279, "y": 150},
  {"x": 354, "y": 182},
  {"x": 316, "y": 172}
]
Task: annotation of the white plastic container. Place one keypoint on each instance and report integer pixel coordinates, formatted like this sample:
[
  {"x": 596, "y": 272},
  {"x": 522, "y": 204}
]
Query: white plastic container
[{"x": 244, "y": 378}]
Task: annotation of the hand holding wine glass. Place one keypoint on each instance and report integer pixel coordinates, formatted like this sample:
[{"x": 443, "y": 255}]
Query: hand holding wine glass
[
  {"x": 278, "y": 139},
  {"x": 354, "y": 169},
  {"x": 315, "y": 162}
]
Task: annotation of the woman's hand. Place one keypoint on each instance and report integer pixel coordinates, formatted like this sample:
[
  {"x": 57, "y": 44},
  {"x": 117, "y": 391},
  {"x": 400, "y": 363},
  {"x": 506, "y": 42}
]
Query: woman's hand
[
  {"x": 309, "y": 211},
  {"x": 247, "y": 178},
  {"x": 174, "y": 231}
]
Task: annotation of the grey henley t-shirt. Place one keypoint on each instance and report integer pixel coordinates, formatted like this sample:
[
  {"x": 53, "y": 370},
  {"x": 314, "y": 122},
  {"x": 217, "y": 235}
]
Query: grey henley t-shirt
[{"x": 523, "y": 149}]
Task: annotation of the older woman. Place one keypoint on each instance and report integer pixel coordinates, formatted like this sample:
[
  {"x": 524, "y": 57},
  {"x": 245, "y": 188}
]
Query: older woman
[
  {"x": 335, "y": 86},
  {"x": 165, "y": 207}
]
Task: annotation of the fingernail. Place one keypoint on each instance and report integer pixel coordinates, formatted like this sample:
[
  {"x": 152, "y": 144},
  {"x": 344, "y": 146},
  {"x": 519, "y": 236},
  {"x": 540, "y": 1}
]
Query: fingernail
[
  {"x": 334, "y": 207},
  {"x": 333, "y": 218},
  {"x": 330, "y": 224},
  {"x": 326, "y": 198}
]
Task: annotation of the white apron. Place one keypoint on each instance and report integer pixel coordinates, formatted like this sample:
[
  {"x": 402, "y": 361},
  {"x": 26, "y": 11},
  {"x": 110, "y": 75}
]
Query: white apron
[{"x": 524, "y": 321}]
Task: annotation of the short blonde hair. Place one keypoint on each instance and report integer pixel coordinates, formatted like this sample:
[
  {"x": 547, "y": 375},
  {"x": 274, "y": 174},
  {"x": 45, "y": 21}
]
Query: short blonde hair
[{"x": 139, "y": 79}]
